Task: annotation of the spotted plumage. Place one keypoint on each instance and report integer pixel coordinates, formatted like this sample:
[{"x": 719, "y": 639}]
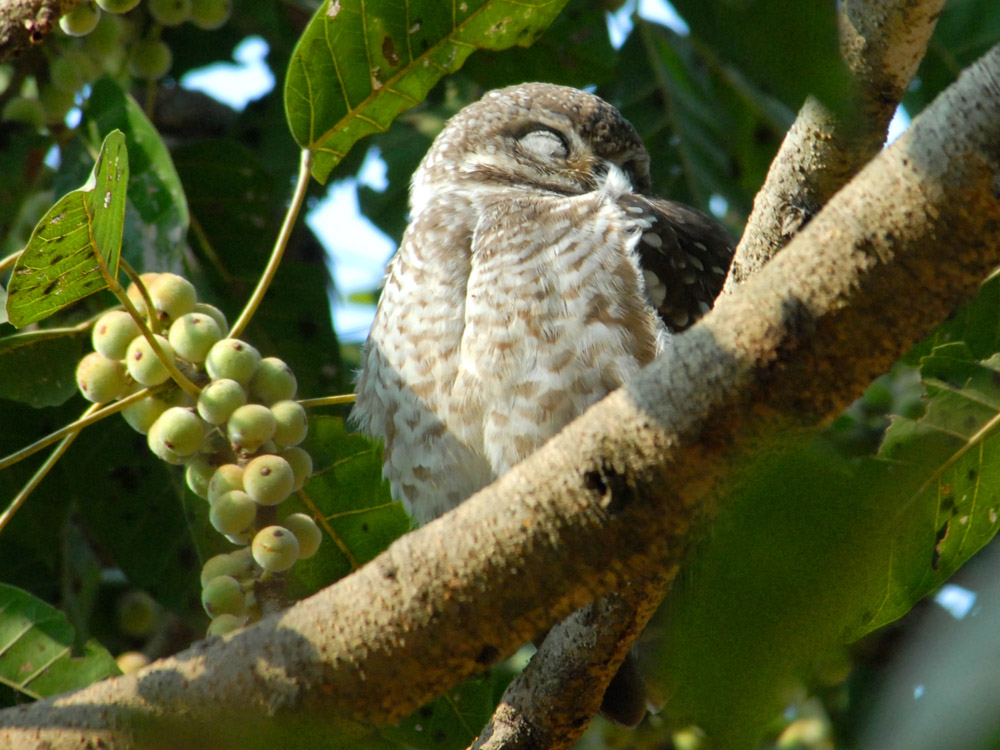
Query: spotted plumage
[{"x": 537, "y": 274}]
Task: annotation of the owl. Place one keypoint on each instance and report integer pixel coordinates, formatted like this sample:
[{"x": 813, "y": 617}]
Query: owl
[{"x": 536, "y": 275}]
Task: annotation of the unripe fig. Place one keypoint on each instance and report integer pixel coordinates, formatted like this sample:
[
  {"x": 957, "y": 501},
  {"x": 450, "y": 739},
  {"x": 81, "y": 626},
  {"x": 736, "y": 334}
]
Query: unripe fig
[
  {"x": 82, "y": 19},
  {"x": 232, "y": 513},
  {"x": 172, "y": 295},
  {"x": 226, "y": 623},
  {"x": 100, "y": 379},
  {"x": 215, "y": 314},
  {"x": 226, "y": 478},
  {"x": 223, "y": 595},
  {"x": 117, "y": 6},
  {"x": 290, "y": 423},
  {"x": 150, "y": 59},
  {"x": 272, "y": 381},
  {"x": 301, "y": 463},
  {"x": 192, "y": 335},
  {"x": 170, "y": 12},
  {"x": 250, "y": 426},
  {"x": 219, "y": 399},
  {"x": 198, "y": 474},
  {"x": 306, "y": 531},
  {"x": 275, "y": 549},
  {"x": 131, "y": 661},
  {"x": 232, "y": 359},
  {"x": 238, "y": 564},
  {"x": 113, "y": 332},
  {"x": 268, "y": 479},
  {"x": 143, "y": 364},
  {"x": 135, "y": 296},
  {"x": 180, "y": 430},
  {"x": 210, "y": 14}
]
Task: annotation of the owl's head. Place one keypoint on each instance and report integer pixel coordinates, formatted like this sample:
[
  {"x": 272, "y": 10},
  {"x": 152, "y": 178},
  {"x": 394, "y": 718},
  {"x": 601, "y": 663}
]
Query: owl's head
[{"x": 537, "y": 136}]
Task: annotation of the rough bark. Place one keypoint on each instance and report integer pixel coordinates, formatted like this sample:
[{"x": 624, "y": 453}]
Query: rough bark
[
  {"x": 882, "y": 42},
  {"x": 26, "y": 23},
  {"x": 550, "y": 704},
  {"x": 616, "y": 493}
]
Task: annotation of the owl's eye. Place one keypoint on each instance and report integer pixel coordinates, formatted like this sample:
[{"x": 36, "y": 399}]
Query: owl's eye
[{"x": 545, "y": 143}]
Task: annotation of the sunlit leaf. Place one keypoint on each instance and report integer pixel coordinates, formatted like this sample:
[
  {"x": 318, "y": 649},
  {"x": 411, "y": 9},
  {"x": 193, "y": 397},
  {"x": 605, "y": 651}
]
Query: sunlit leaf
[
  {"x": 80, "y": 233},
  {"x": 358, "y": 65},
  {"x": 154, "y": 189},
  {"x": 35, "y": 648}
]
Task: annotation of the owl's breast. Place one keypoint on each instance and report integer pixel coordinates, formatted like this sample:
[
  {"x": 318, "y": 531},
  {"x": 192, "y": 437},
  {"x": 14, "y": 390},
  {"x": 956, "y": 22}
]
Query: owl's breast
[{"x": 555, "y": 318}]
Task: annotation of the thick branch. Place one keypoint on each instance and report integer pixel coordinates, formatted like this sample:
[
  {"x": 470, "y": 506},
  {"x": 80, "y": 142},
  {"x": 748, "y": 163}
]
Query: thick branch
[
  {"x": 620, "y": 490},
  {"x": 883, "y": 42}
]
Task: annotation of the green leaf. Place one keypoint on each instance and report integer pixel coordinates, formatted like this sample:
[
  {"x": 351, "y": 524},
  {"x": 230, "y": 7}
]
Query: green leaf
[
  {"x": 133, "y": 512},
  {"x": 450, "y": 722},
  {"x": 708, "y": 130},
  {"x": 956, "y": 510},
  {"x": 35, "y": 648},
  {"x": 788, "y": 48},
  {"x": 976, "y": 324},
  {"x": 858, "y": 540},
  {"x": 38, "y": 368},
  {"x": 83, "y": 231},
  {"x": 347, "y": 492},
  {"x": 359, "y": 65},
  {"x": 964, "y": 32},
  {"x": 154, "y": 189},
  {"x": 574, "y": 51},
  {"x": 787, "y": 573}
]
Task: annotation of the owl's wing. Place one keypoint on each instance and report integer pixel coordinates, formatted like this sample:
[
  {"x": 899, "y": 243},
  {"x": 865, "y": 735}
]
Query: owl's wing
[
  {"x": 409, "y": 364},
  {"x": 684, "y": 255}
]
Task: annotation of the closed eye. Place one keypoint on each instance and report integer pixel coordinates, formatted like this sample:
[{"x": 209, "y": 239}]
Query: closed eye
[{"x": 545, "y": 143}]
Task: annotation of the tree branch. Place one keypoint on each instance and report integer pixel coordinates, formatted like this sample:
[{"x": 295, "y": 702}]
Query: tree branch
[
  {"x": 882, "y": 42},
  {"x": 550, "y": 704},
  {"x": 26, "y": 23},
  {"x": 622, "y": 489}
]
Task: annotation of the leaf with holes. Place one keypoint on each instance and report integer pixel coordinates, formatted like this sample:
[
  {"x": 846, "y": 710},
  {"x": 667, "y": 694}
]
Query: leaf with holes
[
  {"x": 77, "y": 237},
  {"x": 161, "y": 217},
  {"x": 35, "y": 648},
  {"x": 358, "y": 65},
  {"x": 957, "y": 509}
]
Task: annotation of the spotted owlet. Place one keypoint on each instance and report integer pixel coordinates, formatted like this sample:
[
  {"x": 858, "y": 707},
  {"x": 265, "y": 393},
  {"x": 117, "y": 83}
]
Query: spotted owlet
[{"x": 536, "y": 275}]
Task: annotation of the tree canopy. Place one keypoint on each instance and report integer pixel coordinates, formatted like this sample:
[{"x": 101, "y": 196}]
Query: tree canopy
[{"x": 806, "y": 480}]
